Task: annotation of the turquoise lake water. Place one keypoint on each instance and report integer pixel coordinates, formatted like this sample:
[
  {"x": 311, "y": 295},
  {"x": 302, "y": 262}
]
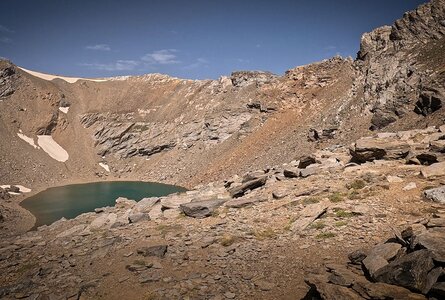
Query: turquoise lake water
[{"x": 69, "y": 201}]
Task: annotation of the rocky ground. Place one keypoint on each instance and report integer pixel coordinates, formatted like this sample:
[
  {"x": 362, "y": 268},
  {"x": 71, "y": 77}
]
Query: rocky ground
[
  {"x": 278, "y": 196},
  {"x": 256, "y": 236}
]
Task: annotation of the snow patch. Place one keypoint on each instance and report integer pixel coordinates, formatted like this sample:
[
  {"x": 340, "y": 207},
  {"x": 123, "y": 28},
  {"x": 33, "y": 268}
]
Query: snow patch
[
  {"x": 64, "y": 109},
  {"x": 53, "y": 149},
  {"x": 52, "y": 77},
  {"x": 105, "y": 166},
  {"x": 22, "y": 188},
  {"x": 27, "y": 139}
]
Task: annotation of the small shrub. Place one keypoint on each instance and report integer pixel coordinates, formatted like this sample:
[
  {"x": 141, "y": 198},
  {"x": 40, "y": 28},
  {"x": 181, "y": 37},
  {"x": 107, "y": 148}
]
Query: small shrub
[
  {"x": 227, "y": 240},
  {"x": 325, "y": 235},
  {"x": 267, "y": 233},
  {"x": 336, "y": 197},
  {"x": 357, "y": 184},
  {"x": 354, "y": 195},
  {"x": 340, "y": 223},
  {"x": 310, "y": 200},
  {"x": 318, "y": 225},
  {"x": 340, "y": 213}
]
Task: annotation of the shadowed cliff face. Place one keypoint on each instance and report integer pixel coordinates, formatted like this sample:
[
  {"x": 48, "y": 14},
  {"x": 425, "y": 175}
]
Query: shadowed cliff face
[{"x": 156, "y": 127}]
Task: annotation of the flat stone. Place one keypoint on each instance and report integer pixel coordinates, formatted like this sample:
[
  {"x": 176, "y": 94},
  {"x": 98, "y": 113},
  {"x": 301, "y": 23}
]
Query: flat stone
[
  {"x": 240, "y": 190},
  {"x": 374, "y": 263},
  {"x": 394, "y": 179},
  {"x": 437, "y": 169},
  {"x": 201, "y": 209},
  {"x": 242, "y": 202},
  {"x": 309, "y": 171},
  {"x": 436, "y": 222},
  {"x": 308, "y": 215},
  {"x": 158, "y": 250},
  {"x": 388, "y": 251},
  {"x": 138, "y": 217},
  {"x": 410, "y": 186},
  {"x": 291, "y": 172},
  {"x": 433, "y": 240}
]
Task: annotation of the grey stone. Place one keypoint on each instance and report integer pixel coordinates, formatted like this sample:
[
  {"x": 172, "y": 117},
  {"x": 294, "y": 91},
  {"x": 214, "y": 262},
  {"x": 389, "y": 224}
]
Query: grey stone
[
  {"x": 291, "y": 173},
  {"x": 240, "y": 190},
  {"x": 138, "y": 217},
  {"x": 373, "y": 264},
  {"x": 158, "y": 250},
  {"x": 409, "y": 271},
  {"x": 388, "y": 251},
  {"x": 306, "y": 161},
  {"x": 201, "y": 209},
  {"x": 436, "y": 194}
]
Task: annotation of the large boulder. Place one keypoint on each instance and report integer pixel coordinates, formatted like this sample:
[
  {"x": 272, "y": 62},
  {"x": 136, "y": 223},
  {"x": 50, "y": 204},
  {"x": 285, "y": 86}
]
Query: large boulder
[
  {"x": 432, "y": 239},
  {"x": 369, "y": 149},
  {"x": 201, "y": 209},
  {"x": 410, "y": 271},
  {"x": 240, "y": 190}
]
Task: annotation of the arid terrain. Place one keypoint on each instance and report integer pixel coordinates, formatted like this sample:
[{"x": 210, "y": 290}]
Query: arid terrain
[{"x": 287, "y": 176}]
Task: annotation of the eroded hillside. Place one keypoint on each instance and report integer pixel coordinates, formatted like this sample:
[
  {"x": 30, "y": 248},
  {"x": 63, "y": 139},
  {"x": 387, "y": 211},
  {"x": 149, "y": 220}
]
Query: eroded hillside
[{"x": 235, "y": 224}]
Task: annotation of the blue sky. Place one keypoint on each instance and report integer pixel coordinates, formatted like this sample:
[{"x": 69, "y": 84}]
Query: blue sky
[{"x": 189, "y": 39}]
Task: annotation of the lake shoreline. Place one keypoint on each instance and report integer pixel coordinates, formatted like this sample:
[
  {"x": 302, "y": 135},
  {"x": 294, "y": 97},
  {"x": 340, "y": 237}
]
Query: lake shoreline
[{"x": 22, "y": 220}]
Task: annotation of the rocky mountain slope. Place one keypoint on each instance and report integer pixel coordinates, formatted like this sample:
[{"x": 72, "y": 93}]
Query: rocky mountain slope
[{"x": 312, "y": 192}]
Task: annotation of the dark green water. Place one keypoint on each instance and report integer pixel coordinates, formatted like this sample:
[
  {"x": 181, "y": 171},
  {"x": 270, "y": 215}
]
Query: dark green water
[{"x": 69, "y": 201}]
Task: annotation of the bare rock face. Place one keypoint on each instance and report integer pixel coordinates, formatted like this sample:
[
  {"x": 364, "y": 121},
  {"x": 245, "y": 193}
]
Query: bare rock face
[
  {"x": 245, "y": 78},
  {"x": 7, "y": 72},
  {"x": 369, "y": 149},
  {"x": 395, "y": 84}
]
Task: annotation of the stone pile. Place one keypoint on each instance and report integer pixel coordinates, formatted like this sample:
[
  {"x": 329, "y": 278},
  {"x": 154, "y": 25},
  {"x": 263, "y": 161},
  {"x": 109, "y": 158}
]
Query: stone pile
[{"x": 407, "y": 266}]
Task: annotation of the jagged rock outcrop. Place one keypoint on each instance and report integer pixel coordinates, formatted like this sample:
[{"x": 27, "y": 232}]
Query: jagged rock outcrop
[
  {"x": 7, "y": 74},
  {"x": 407, "y": 266},
  {"x": 396, "y": 78},
  {"x": 245, "y": 78}
]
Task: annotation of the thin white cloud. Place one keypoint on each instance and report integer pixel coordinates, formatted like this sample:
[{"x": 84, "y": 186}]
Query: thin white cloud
[
  {"x": 119, "y": 65},
  {"x": 200, "y": 62},
  {"x": 161, "y": 57},
  {"x": 99, "y": 47},
  {"x": 5, "y": 29},
  {"x": 330, "y": 48},
  {"x": 5, "y": 40}
]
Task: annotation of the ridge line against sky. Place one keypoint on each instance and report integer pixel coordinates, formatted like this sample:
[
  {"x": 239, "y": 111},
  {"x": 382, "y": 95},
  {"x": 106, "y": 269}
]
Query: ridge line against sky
[{"x": 195, "y": 39}]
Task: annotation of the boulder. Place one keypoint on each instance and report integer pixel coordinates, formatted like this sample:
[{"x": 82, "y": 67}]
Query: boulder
[
  {"x": 291, "y": 172},
  {"x": 438, "y": 146},
  {"x": 437, "y": 169},
  {"x": 369, "y": 149},
  {"x": 138, "y": 217},
  {"x": 201, "y": 209},
  {"x": 306, "y": 161},
  {"x": 157, "y": 250},
  {"x": 432, "y": 239},
  {"x": 146, "y": 204},
  {"x": 240, "y": 190},
  {"x": 373, "y": 264},
  {"x": 436, "y": 194},
  {"x": 388, "y": 250},
  {"x": 409, "y": 271},
  {"x": 309, "y": 171}
]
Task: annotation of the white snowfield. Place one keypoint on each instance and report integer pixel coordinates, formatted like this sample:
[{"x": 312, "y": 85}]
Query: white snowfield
[
  {"x": 49, "y": 145},
  {"x": 67, "y": 79},
  {"x": 28, "y": 140},
  {"x": 21, "y": 188}
]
